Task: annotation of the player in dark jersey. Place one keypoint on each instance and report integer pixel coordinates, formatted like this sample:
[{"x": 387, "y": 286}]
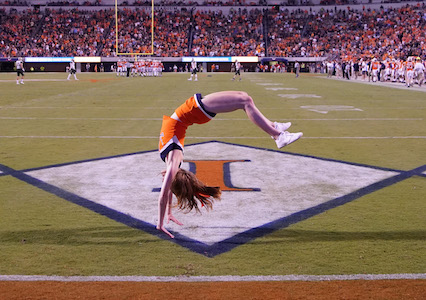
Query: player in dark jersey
[
  {"x": 72, "y": 70},
  {"x": 19, "y": 64},
  {"x": 194, "y": 69},
  {"x": 237, "y": 70}
]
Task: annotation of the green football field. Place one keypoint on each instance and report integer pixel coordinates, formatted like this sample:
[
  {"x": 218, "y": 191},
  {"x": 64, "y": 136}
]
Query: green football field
[{"x": 49, "y": 121}]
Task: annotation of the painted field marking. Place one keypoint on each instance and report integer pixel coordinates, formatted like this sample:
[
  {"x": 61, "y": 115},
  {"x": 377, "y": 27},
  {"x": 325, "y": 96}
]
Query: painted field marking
[
  {"x": 297, "y": 96},
  {"x": 111, "y": 187},
  {"x": 266, "y": 84},
  {"x": 324, "y": 109},
  {"x": 168, "y": 108},
  {"x": 35, "y": 80},
  {"x": 79, "y": 119},
  {"x": 224, "y": 278},
  {"x": 219, "y": 119},
  {"x": 280, "y": 89},
  {"x": 85, "y": 107},
  {"x": 200, "y": 137}
]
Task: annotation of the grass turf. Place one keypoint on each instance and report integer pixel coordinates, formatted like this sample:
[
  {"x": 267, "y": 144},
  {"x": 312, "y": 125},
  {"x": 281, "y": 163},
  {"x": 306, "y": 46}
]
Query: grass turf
[{"x": 40, "y": 233}]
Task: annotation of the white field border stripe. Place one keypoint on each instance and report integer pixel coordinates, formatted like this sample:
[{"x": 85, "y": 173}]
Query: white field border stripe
[
  {"x": 218, "y": 119},
  {"x": 172, "y": 108},
  {"x": 79, "y": 119},
  {"x": 200, "y": 137},
  {"x": 212, "y": 278},
  {"x": 35, "y": 80}
]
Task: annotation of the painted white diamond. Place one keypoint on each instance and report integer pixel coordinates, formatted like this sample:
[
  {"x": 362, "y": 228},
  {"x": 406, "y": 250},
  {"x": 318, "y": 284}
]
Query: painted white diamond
[{"x": 288, "y": 184}]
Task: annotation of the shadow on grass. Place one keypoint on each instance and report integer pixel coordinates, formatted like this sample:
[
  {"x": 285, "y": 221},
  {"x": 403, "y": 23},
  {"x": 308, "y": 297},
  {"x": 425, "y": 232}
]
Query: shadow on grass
[
  {"x": 303, "y": 236},
  {"x": 112, "y": 235},
  {"x": 118, "y": 235}
]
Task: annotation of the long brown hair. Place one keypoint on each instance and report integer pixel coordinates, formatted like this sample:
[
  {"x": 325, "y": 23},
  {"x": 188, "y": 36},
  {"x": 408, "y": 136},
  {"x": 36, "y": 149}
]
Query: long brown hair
[{"x": 187, "y": 188}]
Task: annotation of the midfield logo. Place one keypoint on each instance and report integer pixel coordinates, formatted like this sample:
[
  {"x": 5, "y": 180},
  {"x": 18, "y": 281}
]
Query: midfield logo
[
  {"x": 215, "y": 173},
  {"x": 263, "y": 190}
]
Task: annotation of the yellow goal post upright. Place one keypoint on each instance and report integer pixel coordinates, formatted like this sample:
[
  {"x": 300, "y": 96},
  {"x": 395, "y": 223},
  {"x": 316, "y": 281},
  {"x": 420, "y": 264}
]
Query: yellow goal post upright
[{"x": 152, "y": 33}]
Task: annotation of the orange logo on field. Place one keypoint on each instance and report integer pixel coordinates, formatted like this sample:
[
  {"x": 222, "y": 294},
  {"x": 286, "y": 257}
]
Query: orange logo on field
[{"x": 216, "y": 173}]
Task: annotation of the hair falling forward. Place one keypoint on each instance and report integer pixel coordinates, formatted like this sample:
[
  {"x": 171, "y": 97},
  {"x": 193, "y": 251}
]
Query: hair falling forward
[{"x": 187, "y": 189}]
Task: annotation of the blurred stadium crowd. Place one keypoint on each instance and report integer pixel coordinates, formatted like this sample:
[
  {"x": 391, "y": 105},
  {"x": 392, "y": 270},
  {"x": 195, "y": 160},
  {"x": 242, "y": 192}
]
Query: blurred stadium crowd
[{"x": 336, "y": 34}]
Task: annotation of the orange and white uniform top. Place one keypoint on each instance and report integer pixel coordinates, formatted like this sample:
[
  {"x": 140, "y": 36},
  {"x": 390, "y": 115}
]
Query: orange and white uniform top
[
  {"x": 400, "y": 65},
  {"x": 375, "y": 65},
  {"x": 409, "y": 66},
  {"x": 173, "y": 129}
]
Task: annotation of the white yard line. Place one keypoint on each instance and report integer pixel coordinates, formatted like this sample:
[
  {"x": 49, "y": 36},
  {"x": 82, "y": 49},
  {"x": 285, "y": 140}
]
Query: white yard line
[
  {"x": 93, "y": 119},
  {"x": 224, "y": 278},
  {"x": 84, "y": 107},
  {"x": 34, "y": 80},
  {"x": 218, "y": 119},
  {"x": 171, "y": 108},
  {"x": 199, "y": 137}
]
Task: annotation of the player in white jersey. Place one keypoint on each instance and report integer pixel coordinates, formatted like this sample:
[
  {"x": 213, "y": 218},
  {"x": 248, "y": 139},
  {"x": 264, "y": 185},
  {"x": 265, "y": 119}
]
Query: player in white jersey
[
  {"x": 364, "y": 70},
  {"x": 193, "y": 70},
  {"x": 134, "y": 68},
  {"x": 394, "y": 69},
  {"x": 119, "y": 67},
  {"x": 19, "y": 64},
  {"x": 400, "y": 71},
  {"x": 237, "y": 70},
  {"x": 144, "y": 67},
  {"x": 330, "y": 69},
  {"x": 419, "y": 71},
  {"x": 339, "y": 71},
  {"x": 374, "y": 70},
  {"x": 150, "y": 67},
  {"x": 123, "y": 67},
  {"x": 139, "y": 67},
  {"x": 159, "y": 68},
  {"x": 409, "y": 72},
  {"x": 388, "y": 70},
  {"x": 297, "y": 68},
  {"x": 72, "y": 70},
  {"x": 155, "y": 67}
]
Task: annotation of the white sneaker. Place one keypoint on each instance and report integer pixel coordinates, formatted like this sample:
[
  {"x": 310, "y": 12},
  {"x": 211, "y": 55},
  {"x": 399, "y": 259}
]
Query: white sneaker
[
  {"x": 282, "y": 126},
  {"x": 286, "y": 138},
  {"x": 190, "y": 79}
]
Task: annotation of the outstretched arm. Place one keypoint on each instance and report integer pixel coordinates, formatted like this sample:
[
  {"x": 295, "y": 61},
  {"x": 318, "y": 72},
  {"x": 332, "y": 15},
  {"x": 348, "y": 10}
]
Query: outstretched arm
[{"x": 173, "y": 161}]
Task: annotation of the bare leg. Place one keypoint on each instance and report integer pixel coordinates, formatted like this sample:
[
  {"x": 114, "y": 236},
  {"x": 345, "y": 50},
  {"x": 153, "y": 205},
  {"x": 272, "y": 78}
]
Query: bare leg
[{"x": 228, "y": 101}]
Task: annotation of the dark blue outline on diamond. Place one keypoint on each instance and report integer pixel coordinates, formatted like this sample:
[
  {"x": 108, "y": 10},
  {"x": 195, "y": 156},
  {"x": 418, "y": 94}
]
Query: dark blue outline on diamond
[{"x": 227, "y": 244}]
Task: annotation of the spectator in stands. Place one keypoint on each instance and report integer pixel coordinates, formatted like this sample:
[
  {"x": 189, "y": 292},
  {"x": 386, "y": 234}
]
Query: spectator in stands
[{"x": 338, "y": 34}]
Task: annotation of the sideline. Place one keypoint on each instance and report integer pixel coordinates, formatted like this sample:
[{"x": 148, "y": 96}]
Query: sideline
[
  {"x": 395, "y": 85},
  {"x": 33, "y": 80},
  {"x": 212, "y": 278},
  {"x": 230, "y": 119},
  {"x": 201, "y": 137}
]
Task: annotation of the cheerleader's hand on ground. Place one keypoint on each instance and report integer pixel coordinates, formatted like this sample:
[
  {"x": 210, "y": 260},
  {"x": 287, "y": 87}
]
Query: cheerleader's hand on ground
[
  {"x": 173, "y": 219},
  {"x": 163, "y": 229}
]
